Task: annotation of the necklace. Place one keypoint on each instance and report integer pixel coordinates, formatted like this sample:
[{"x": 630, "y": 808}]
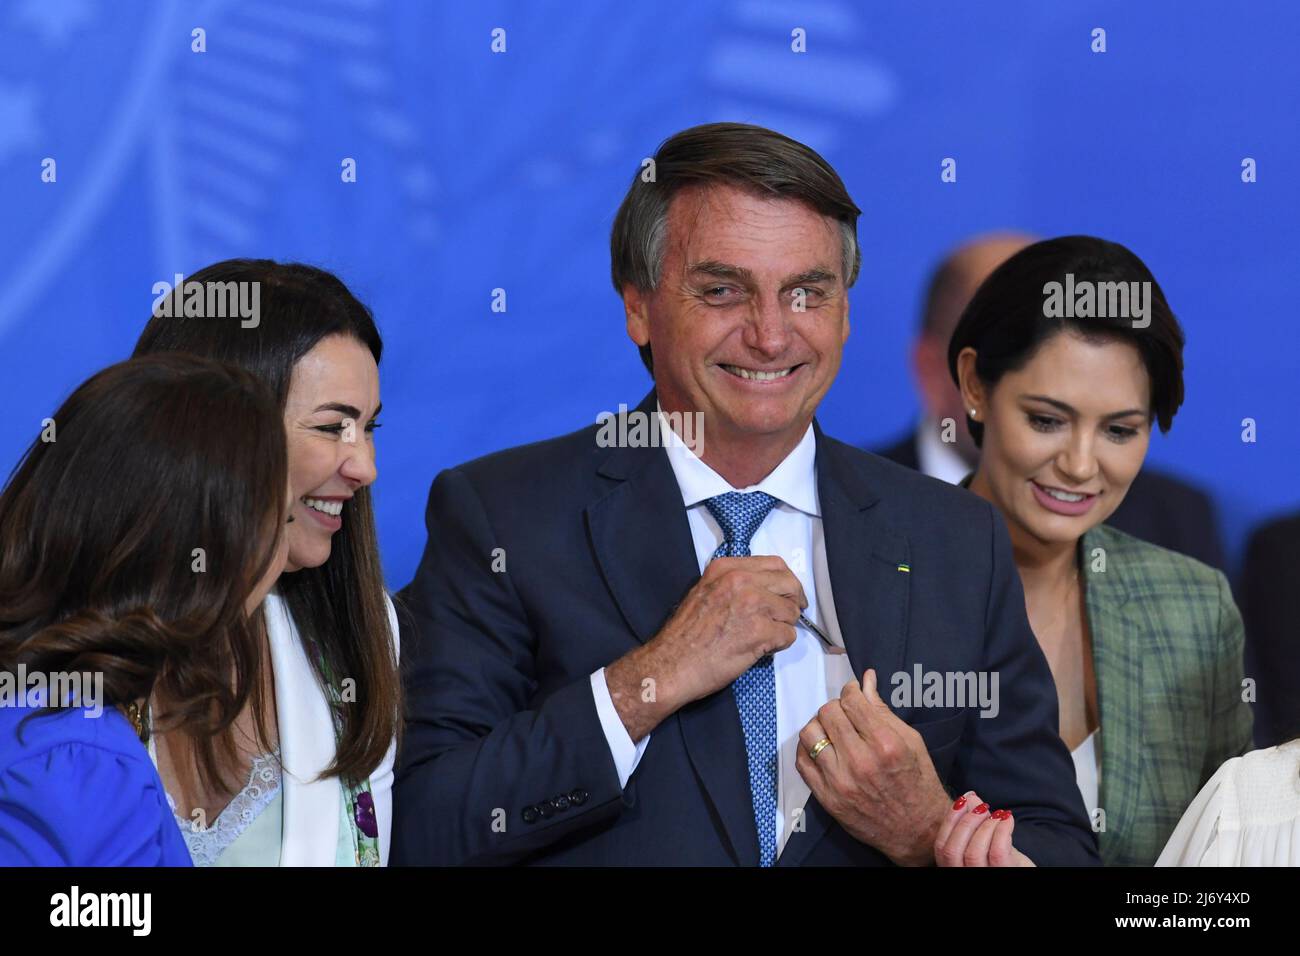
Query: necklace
[{"x": 137, "y": 718}]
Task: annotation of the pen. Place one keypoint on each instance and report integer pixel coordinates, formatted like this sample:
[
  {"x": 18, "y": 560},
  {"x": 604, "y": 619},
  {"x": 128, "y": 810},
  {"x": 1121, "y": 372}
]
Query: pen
[{"x": 803, "y": 619}]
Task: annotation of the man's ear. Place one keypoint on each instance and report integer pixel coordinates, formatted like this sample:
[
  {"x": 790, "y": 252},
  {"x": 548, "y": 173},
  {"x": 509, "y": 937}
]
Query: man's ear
[
  {"x": 930, "y": 370},
  {"x": 637, "y": 306}
]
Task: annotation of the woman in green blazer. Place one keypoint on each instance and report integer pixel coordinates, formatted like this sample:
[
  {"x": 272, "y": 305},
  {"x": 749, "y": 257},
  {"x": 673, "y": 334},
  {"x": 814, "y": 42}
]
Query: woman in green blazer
[{"x": 1066, "y": 357}]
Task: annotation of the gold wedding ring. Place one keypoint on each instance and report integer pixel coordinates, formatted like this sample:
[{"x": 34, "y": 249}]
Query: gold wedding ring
[{"x": 818, "y": 747}]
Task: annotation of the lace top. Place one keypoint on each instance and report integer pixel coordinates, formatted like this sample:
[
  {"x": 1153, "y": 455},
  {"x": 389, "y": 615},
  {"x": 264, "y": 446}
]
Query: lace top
[{"x": 206, "y": 844}]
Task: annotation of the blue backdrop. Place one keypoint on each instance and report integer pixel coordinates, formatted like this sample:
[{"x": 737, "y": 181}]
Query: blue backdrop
[{"x": 479, "y": 170}]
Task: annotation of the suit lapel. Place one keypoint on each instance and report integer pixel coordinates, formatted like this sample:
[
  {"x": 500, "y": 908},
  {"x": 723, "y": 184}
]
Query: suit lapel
[
  {"x": 869, "y": 592},
  {"x": 642, "y": 542},
  {"x": 1117, "y": 660},
  {"x": 642, "y": 539}
]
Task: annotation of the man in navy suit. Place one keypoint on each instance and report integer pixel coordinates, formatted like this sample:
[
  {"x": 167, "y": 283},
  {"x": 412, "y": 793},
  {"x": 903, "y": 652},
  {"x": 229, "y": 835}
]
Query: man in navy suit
[{"x": 704, "y": 633}]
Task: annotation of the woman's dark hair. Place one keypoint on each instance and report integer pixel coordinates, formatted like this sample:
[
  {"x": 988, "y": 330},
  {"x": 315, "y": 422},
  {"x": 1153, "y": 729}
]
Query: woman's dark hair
[
  {"x": 339, "y": 608},
  {"x": 101, "y": 523},
  {"x": 1008, "y": 318}
]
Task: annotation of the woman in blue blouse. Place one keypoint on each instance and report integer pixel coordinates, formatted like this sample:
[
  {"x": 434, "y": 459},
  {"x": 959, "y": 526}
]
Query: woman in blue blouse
[{"x": 136, "y": 536}]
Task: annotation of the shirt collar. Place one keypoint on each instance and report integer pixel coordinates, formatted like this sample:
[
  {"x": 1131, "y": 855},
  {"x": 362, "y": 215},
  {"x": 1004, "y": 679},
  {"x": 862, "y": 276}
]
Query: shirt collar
[
  {"x": 793, "y": 481},
  {"x": 937, "y": 458}
]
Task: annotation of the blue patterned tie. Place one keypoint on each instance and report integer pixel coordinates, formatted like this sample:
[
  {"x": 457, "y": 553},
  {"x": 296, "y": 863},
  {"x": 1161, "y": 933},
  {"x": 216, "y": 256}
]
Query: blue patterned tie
[{"x": 739, "y": 516}]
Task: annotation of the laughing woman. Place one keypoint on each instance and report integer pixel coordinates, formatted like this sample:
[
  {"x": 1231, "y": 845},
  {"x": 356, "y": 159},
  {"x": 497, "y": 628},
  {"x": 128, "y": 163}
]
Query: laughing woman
[
  {"x": 321, "y": 793},
  {"x": 1145, "y": 644}
]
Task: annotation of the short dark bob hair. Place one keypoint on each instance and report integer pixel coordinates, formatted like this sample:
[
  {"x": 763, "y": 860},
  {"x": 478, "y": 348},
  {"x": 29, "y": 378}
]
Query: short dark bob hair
[{"x": 1017, "y": 309}]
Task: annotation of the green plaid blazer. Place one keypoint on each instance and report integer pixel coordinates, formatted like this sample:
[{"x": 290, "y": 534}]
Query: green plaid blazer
[{"x": 1167, "y": 649}]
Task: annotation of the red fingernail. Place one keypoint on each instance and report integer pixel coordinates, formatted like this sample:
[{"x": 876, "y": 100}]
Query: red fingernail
[
  {"x": 1001, "y": 814},
  {"x": 961, "y": 802},
  {"x": 982, "y": 808}
]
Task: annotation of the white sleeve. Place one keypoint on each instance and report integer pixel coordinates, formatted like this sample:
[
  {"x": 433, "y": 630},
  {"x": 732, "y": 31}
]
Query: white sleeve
[
  {"x": 381, "y": 781},
  {"x": 626, "y": 754},
  {"x": 1195, "y": 841}
]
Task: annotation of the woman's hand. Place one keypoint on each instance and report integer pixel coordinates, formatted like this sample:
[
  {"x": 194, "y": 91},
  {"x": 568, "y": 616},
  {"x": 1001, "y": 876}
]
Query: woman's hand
[{"x": 972, "y": 836}]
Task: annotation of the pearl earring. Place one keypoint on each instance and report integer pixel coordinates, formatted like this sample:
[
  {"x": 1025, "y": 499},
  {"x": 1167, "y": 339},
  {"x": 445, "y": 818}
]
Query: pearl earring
[{"x": 974, "y": 413}]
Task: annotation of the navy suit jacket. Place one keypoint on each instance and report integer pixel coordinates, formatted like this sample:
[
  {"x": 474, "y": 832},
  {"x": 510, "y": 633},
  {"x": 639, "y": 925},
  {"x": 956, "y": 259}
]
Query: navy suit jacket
[{"x": 504, "y": 759}]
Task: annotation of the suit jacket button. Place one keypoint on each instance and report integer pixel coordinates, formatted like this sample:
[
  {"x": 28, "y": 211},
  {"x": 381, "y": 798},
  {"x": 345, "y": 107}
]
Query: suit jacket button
[
  {"x": 578, "y": 797},
  {"x": 545, "y": 809},
  {"x": 530, "y": 814},
  {"x": 561, "y": 802}
]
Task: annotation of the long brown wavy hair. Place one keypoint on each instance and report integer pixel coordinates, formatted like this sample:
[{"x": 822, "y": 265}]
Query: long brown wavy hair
[
  {"x": 339, "y": 608},
  {"x": 101, "y": 523}
]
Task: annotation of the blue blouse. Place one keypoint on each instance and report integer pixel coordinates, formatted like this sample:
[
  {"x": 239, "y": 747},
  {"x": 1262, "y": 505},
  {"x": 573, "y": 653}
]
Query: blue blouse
[{"x": 80, "y": 790}]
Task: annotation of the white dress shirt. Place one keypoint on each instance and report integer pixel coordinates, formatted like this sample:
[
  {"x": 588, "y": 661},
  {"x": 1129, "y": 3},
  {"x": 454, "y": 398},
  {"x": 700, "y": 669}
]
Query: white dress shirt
[
  {"x": 792, "y": 530},
  {"x": 937, "y": 458}
]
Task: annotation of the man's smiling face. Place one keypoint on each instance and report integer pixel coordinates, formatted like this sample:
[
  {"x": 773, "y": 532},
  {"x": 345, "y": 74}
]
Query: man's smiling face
[{"x": 749, "y": 319}]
